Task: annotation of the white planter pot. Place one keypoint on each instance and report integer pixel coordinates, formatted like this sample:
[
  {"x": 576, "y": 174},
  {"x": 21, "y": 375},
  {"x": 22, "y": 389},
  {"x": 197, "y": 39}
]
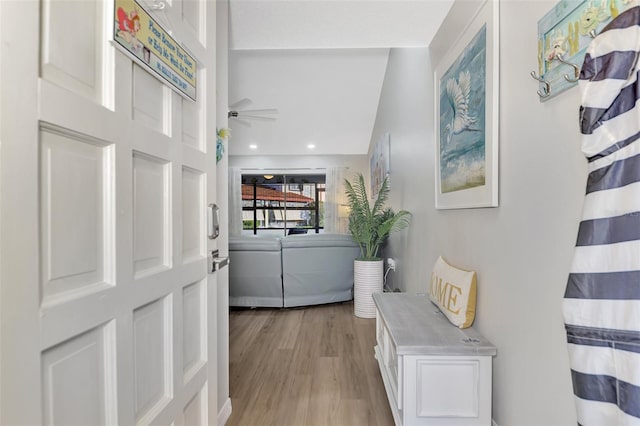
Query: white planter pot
[{"x": 367, "y": 279}]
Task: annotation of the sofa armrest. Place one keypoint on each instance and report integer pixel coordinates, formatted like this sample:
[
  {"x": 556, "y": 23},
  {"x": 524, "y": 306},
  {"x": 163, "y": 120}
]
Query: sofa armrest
[
  {"x": 253, "y": 243},
  {"x": 318, "y": 240},
  {"x": 255, "y": 272}
]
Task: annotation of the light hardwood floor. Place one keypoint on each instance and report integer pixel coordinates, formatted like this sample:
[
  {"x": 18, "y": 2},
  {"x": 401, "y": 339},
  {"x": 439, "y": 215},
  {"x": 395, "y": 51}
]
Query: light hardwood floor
[{"x": 306, "y": 366}]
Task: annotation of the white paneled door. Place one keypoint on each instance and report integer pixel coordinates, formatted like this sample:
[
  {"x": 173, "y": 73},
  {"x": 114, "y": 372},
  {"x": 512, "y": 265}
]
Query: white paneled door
[{"x": 106, "y": 305}]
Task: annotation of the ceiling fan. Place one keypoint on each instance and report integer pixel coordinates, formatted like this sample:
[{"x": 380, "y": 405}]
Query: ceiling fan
[{"x": 244, "y": 116}]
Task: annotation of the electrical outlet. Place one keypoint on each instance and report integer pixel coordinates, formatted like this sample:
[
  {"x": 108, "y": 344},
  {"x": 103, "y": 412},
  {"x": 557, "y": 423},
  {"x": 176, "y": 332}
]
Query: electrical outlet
[{"x": 391, "y": 263}]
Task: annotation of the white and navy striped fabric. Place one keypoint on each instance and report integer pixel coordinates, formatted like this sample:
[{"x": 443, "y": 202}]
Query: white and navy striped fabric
[{"x": 602, "y": 299}]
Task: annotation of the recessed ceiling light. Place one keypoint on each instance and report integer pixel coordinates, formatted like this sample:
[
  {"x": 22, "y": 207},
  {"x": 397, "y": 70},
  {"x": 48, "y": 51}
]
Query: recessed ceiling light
[
  {"x": 311, "y": 146},
  {"x": 253, "y": 146}
]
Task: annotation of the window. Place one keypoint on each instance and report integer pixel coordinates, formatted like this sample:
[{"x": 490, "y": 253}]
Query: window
[{"x": 282, "y": 204}]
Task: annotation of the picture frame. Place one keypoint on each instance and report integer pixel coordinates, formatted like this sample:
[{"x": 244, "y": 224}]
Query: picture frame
[
  {"x": 466, "y": 115},
  {"x": 379, "y": 163}
]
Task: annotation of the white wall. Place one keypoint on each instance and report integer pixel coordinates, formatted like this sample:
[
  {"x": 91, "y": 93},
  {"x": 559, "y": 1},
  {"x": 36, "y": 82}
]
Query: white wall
[
  {"x": 355, "y": 163},
  {"x": 522, "y": 249}
]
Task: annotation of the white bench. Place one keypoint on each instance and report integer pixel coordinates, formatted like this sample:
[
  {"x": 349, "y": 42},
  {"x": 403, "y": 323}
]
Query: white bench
[{"x": 434, "y": 373}]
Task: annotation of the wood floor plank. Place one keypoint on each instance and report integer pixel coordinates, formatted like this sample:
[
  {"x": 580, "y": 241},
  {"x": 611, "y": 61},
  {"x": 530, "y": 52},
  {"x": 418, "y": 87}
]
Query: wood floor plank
[
  {"x": 290, "y": 323},
  {"x": 305, "y": 367},
  {"x": 325, "y": 393}
]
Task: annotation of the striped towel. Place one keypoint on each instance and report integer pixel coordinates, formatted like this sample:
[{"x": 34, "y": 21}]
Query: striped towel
[{"x": 602, "y": 300}]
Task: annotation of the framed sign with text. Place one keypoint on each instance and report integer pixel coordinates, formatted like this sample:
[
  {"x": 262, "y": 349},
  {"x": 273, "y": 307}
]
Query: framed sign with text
[{"x": 141, "y": 38}]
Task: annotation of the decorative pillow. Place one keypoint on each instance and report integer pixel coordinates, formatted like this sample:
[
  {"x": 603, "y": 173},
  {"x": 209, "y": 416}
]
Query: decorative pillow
[{"x": 453, "y": 290}]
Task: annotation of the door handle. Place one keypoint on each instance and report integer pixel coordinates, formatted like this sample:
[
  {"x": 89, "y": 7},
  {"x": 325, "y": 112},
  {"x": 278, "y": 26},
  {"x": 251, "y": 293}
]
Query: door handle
[
  {"x": 214, "y": 222},
  {"x": 217, "y": 262}
]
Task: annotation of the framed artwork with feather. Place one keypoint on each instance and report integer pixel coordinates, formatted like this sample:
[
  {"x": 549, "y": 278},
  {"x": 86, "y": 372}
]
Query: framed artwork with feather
[{"x": 466, "y": 116}]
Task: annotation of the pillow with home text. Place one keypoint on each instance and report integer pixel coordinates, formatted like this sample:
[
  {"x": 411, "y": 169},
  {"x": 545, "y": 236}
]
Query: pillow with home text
[{"x": 453, "y": 290}]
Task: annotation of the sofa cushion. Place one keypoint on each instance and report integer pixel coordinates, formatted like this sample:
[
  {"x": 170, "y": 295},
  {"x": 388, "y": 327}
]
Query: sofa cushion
[
  {"x": 253, "y": 243},
  {"x": 453, "y": 290},
  {"x": 318, "y": 240},
  {"x": 317, "y": 268}
]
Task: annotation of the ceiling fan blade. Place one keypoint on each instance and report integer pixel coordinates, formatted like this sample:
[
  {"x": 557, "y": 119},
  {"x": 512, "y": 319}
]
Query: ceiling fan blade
[
  {"x": 256, "y": 117},
  {"x": 258, "y": 111},
  {"x": 241, "y": 121},
  {"x": 242, "y": 103}
]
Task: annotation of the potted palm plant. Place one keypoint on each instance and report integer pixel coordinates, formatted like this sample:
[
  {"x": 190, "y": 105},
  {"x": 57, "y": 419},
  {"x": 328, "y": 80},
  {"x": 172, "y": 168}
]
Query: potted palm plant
[{"x": 370, "y": 225}]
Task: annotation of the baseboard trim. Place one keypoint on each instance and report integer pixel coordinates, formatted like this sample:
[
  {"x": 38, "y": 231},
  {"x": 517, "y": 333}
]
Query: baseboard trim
[{"x": 225, "y": 412}]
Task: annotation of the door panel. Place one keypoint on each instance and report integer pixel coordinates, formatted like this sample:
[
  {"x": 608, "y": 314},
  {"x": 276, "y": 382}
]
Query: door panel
[
  {"x": 151, "y": 101},
  {"x": 114, "y": 318},
  {"x": 76, "y": 204},
  {"x": 192, "y": 13},
  {"x": 84, "y": 367},
  {"x": 152, "y": 346},
  {"x": 194, "y": 412},
  {"x": 68, "y": 59},
  {"x": 193, "y": 217},
  {"x": 194, "y": 328},
  {"x": 191, "y": 125},
  {"x": 151, "y": 214}
]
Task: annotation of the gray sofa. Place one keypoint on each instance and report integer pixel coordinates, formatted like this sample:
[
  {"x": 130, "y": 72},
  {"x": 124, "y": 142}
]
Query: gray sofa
[
  {"x": 255, "y": 271},
  {"x": 296, "y": 270}
]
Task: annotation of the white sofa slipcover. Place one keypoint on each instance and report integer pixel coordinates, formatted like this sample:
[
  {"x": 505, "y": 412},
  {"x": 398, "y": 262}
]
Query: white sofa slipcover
[
  {"x": 296, "y": 270},
  {"x": 317, "y": 268},
  {"x": 255, "y": 271}
]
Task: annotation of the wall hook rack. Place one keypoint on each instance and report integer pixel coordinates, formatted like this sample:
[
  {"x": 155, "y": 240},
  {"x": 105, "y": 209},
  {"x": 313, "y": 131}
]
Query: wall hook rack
[
  {"x": 576, "y": 69},
  {"x": 564, "y": 34},
  {"x": 545, "y": 90}
]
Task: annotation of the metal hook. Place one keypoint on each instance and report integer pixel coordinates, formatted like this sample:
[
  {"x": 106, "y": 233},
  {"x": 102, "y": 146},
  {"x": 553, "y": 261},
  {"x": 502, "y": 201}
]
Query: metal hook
[
  {"x": 576, "y": 69},
  {"x": 157, "y": 5},
  {"x": 592, "y": 34},
  {"x": 546, "y": 88}
]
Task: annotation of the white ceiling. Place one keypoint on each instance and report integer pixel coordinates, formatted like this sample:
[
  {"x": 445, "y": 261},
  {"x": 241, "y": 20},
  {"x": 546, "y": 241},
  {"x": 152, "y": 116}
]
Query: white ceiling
[{"x": 321, "y": 63}]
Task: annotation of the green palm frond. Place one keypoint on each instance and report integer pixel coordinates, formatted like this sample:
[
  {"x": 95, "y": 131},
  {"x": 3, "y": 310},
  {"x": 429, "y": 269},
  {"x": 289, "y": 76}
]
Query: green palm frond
[{"x": 371, "y": 225}]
